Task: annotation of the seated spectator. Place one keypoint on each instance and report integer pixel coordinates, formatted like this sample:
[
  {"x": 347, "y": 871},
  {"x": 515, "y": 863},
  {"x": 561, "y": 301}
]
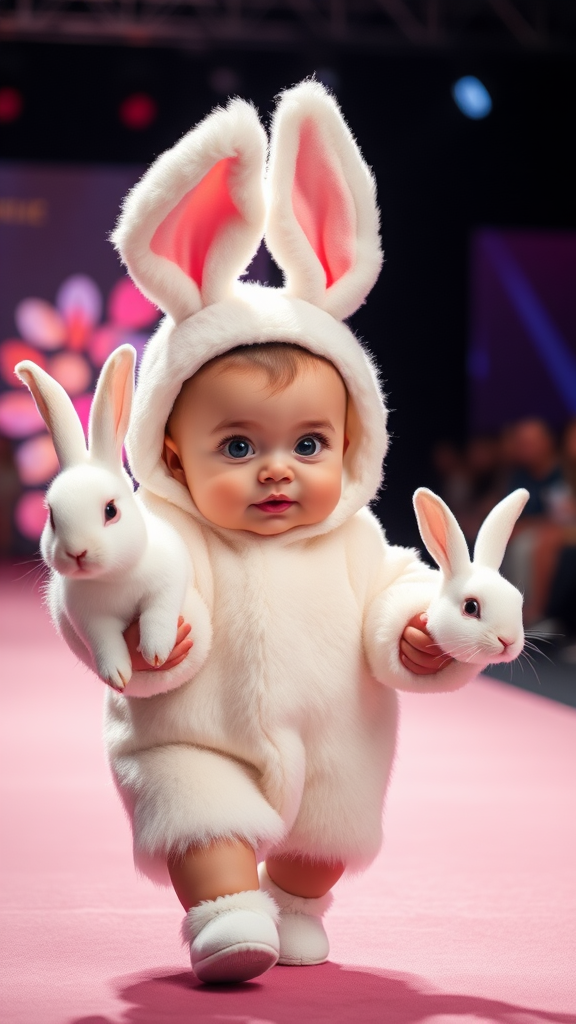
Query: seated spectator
[
  {"x": 485, "y": 486},
  {"x": 450, "y": 475},
  {"x": 553, "y": 590},
  {"x": 535, "y": 465}
]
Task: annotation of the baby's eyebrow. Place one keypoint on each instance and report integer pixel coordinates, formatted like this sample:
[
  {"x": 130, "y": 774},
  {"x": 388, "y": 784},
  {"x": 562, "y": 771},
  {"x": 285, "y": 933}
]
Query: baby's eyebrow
[
  {"x": 251, "y": 424},
  {"x": 234, "y": 425},
  {"x": 316, "y": 425}
]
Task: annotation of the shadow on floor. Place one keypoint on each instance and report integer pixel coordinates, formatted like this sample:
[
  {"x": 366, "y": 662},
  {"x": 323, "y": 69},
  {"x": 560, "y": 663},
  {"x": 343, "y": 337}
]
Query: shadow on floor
[{"x": 331, "y": 994}]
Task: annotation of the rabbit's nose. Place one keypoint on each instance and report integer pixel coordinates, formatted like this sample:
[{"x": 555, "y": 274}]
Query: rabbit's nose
[
  {"x": 505, "y": 643},
  {"x": 77, "y": 558}
]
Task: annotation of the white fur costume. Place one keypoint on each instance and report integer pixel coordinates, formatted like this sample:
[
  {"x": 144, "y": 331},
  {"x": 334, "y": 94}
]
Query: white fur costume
[{"x": 279, "y": 728}]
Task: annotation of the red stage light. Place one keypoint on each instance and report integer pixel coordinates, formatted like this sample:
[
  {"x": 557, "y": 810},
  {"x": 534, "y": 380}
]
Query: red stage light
[
  {"x": 11, "y": 104},
  {"x": 138, "y": 111}
]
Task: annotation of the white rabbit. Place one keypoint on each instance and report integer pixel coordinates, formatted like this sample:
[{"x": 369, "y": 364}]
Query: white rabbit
[
  {"x": 112, "y": 561},
  {"x": 476, "y": 615}
]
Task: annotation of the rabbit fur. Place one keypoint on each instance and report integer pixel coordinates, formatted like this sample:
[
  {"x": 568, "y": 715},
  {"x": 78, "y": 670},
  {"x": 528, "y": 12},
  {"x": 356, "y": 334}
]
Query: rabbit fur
[
  {"x": 107, "y": 570},
  {"x": 284, "y": 735}
]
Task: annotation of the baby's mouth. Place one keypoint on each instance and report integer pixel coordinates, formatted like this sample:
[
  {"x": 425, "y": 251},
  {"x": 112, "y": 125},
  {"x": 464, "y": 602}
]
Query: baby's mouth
[{"x": 275, "y": 503}]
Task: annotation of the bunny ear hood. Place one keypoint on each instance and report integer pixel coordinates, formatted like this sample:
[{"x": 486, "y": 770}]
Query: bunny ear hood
[{"x": 191, "y": 226}]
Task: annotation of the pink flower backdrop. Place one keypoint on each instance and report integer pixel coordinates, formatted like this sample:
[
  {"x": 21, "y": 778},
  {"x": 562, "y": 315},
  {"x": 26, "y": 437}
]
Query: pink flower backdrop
[
  {"x": 70, "y": 340},
  {"x": 68, "y": 330}
]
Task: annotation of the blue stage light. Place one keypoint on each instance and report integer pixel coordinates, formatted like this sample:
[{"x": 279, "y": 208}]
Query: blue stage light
[{"x": 472, "y": 97}]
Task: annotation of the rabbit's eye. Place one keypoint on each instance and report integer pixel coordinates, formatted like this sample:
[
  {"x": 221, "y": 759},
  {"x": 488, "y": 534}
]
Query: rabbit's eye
[
  {"x": 110, "y": 512},
  {"x": 472, "y": 607},
  {"x": 51, "y": 515}
]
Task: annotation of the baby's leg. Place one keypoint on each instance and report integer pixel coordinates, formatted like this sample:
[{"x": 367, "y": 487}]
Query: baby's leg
[
  {"x": 302, "y": 877},
  {"x": 220, "y": 868},
  {"x": 202, "y": 816},
  {"x": 301, "y": 888}
]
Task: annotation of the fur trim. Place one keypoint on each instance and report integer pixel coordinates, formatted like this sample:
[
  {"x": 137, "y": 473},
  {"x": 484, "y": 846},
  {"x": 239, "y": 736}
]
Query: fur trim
[
  {"x": 323, "y": 220},
  {"x": 179, "y": 795},
  {"x": 290, "y": 904},
  {"x": 199, "y": 916}
]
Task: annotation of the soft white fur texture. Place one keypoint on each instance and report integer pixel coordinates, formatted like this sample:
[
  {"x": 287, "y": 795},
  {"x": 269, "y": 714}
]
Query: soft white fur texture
[
  {"x": 285, "y": 736},
  {"x": 177, "y": 794},
  {"x": 199, "y": 916}
]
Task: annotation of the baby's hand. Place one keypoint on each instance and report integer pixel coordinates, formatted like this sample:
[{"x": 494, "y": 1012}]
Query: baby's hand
[
  {"x": 178, "y": 653},
  {"x": 418, "y": 652}
]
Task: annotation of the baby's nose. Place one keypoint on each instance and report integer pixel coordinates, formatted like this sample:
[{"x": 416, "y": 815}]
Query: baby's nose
[{"x": 276, "y": 469}]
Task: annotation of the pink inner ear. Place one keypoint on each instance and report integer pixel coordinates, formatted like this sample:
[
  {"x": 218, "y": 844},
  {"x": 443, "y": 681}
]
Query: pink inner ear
[
  {"x": 323, "y": 206},
  {"x": 184, "y": 237}
]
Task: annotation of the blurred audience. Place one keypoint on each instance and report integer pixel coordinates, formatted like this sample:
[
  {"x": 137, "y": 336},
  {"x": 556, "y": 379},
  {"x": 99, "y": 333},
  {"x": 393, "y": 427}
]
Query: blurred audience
[
  {"x": 541, "y": 555},
  {"x": 10, "y": 490}
]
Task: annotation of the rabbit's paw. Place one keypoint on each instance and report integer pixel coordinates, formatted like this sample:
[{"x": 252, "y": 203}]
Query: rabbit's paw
[
  {"x": 117, "y": 675},
  {"x": 156, "y": 642}
]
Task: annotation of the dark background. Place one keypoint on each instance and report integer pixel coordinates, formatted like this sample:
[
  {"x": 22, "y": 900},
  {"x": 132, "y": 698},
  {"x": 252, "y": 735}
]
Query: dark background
[{"x": 439, "y": 176}]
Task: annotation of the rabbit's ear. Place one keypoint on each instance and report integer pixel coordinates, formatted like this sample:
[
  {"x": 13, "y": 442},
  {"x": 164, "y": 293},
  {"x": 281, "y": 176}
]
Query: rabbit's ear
[
  {"x": 192, "y": 224},
  {"x": 496, "y": 529},
  {"x": 441, "y": 533},
  {"x": 322, "y": 220},
  {"x": 110, "y": 412},
  {"x": 57, "y": 411}
]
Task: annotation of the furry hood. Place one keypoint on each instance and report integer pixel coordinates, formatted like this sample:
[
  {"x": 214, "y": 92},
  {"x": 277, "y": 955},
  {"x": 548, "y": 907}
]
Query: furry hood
[{"x": 191, "y": 226}]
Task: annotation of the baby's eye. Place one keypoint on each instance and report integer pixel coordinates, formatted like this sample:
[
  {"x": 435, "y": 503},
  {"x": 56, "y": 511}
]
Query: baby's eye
[
  {"x": 308, "y": 445},
  {"x": 238, "y": 448}
]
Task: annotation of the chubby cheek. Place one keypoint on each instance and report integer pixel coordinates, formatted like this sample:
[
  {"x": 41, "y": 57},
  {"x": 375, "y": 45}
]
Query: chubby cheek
[
  {"x": 323, "y": 492},
  {"x": 220, "y": 497}
]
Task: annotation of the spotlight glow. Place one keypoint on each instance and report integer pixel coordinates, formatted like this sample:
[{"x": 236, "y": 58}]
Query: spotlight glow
[
  {"x": 138, "y": 111},
  {"x": 472, "y": 97},
  {"x": 11, "y": 105}
]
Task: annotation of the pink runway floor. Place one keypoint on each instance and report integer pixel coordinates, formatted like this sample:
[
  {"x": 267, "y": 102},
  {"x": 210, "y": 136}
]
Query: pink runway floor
[{"x": 467, "y": 915}]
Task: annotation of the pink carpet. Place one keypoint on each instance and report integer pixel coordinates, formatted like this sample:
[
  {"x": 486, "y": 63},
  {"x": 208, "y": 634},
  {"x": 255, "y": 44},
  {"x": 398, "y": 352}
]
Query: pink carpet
[{"x": 467, "y": 915}]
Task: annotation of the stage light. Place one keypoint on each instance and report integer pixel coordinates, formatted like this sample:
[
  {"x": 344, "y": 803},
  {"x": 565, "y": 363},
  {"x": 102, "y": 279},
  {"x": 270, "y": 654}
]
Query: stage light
[
  {"x": 11, "y": 104},
  {"x": 138, "y": 111},
  {"x": 472, "y": 97}
]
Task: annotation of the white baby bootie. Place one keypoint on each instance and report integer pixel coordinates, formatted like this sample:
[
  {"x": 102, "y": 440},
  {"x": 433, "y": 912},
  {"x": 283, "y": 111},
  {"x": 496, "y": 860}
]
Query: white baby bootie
[
  {"x": 303, "y": 940},
  {"x": 232, "y": 938}
]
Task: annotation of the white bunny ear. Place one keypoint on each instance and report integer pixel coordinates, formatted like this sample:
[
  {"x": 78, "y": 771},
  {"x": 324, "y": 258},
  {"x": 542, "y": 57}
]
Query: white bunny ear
[
  {"x": 192, "y": 224},
  {"x": 323, "y": 219},
  {"x": 57, "y": 411},
  {"x": 110, "y": 411},
  {"x": 495, "y": 531},
  {"x": 441, "y": 533}
]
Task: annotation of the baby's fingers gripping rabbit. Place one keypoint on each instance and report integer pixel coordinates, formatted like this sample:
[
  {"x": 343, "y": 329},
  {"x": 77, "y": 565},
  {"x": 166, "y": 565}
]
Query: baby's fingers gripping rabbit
[
  {"x": 476, "y": 615},
  {"x": 112, "y": 561}
]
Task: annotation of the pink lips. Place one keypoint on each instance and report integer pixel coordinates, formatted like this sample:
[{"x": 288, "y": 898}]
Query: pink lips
[{"x": 275, "y": 503}]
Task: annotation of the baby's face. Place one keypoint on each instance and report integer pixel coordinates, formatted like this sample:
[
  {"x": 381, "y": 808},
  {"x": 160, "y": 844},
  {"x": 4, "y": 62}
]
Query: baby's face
[{"x": 258, "y": 461}]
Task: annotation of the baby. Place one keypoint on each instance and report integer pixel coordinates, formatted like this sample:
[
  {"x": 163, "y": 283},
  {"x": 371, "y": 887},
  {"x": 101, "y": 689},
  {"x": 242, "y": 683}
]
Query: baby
[
  {"x": 258, "y": 438},
  {"x": 258, "y": 432}
]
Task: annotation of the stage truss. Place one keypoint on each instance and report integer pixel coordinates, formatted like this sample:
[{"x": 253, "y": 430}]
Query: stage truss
[{"x": 270, "y": 24}]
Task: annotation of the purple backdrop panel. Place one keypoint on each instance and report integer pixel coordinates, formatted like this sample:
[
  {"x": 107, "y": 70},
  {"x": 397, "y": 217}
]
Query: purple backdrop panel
[
  {"x": 65, "y": 302},
  {"x": 522, "y": 353}
]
